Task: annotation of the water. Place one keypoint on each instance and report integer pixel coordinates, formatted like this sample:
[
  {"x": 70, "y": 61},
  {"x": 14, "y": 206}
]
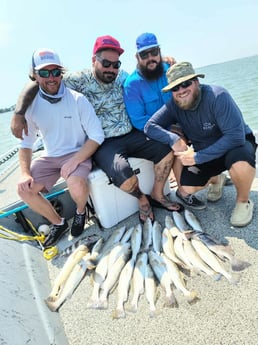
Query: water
[{"x": 239, "y": 77}]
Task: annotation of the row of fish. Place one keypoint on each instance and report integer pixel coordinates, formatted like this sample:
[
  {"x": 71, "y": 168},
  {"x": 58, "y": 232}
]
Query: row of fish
[{"x": 135, "y": 261}]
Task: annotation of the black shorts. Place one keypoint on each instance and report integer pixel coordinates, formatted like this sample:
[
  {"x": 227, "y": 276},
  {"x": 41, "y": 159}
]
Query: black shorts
[
  {"x": 200, "y": 174},
  {"x": 112, "y": 155}
]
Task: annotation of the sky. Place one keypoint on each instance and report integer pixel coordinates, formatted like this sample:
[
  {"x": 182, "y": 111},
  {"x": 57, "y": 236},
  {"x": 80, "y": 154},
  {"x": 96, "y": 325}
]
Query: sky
[{"x": 203, "y": 32}]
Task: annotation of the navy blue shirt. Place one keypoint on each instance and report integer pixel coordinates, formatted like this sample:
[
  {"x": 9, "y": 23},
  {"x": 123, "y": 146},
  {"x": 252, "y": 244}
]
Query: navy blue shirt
[{"x": 216, "y": 126}]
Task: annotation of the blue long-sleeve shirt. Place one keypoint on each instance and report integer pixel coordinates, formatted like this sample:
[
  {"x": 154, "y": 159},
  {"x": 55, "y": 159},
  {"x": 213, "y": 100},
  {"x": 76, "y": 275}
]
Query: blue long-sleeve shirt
[
  {"x": 215, "y": 127},
  {"x": 143, "y": 97}
]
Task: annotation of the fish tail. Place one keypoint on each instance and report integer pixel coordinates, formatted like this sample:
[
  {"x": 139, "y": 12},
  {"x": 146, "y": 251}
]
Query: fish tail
[
  {"x": 103, "y": 304},
  {"x": 216, "y": 276},
  {"x": 193, "y": 297},
  {"x": 51, "y": 304},
  {"x": 239, "y": 265},
  {"x": 133, "y": 307},
  {"x": 118, "y": 314},
  {"x": 171, "y": 302},
  {"x": 234, "y": 279},
  {"x": 93, "y": 304}
]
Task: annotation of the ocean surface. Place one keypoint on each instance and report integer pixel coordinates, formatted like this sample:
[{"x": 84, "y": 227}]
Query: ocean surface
[{"x": 239, "y": 77}]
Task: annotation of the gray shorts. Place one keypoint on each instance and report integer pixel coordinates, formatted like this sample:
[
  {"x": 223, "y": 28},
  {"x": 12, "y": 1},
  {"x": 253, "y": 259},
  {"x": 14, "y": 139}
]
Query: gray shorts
[{"x": 46, "y": 170}]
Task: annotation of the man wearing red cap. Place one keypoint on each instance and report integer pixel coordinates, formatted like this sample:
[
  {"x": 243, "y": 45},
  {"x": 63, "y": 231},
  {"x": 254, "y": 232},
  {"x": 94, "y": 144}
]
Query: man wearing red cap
[{"x": 103, "y": 86}]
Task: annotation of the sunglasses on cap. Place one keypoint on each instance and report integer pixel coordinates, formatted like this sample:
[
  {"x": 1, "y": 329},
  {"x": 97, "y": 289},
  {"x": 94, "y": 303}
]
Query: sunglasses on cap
[
  {"x": 153, "y": 52},
  {"x": 106, "y": 63},
  {"x": 45, "y": 73},
  {"x": 184, "y": 85}
]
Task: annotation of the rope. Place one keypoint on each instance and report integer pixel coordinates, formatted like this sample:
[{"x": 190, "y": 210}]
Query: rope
[{"x": 8, "y": 234}]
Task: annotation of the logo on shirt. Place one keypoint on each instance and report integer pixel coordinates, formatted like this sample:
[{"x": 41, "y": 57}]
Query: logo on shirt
[{"x": 207, "y": 126}]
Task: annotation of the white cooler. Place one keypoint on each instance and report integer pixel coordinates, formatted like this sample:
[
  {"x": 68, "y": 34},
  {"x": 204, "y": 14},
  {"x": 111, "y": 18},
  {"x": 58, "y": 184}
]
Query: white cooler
[{"x": 110, "y": 203}]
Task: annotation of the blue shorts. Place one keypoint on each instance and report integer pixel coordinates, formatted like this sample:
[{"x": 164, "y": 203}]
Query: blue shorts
[
  {"x": 46, "y": 170},
  {"x": 199, "y": 174},
  {"x": 112, "y": 155}
]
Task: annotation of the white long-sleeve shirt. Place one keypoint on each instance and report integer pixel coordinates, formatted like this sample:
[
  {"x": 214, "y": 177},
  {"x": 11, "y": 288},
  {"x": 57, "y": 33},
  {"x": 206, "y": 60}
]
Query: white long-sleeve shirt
[{"x": 65, "y": 126}]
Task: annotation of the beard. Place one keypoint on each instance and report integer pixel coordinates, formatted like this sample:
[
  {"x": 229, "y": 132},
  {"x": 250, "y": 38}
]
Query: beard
[
  {"x": 189, "y": 103},
  {"x": 105, "y": 77},
  {"x": 152, "y": 74}
]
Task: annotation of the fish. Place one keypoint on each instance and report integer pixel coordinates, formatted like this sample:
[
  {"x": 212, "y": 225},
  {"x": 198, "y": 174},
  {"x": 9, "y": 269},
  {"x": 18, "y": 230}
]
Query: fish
[
  {"x": 170, "y": 225},
  {"x": 117, "y": 251},
  {"x": 196, "y": 260},
  {"x": 89, "y": 241},
  {"x": 112, "y": 276},
  {"x": 54, "y": 302},
  {"x": 150, "y": 290},
  {"x": 96, "y": 249},
  {"x": 114, "y": 238},
  {"x": 65, "y": 272},
  {"x": 180, "y": 221},
  {"x": 123, "y": 288},
  {"x": 136, "y": 240},
  {"x": 160, "y": 270},
  {"x": 138, "y": 280},
  {"x": 177, "y": 280},
  {"x": 210, "y": 258},
  {"x": 223, "y": 251},
  {"x": 127, "y": 235},
  {"x": 192, "y": 220},
  {"x": 98, "y": 278},
  {"x": 156, "y": 236},
  {"x": 180, "y": 253},
  {"x": 147, "y": 235},
  {"x": 168, "y": 247}
]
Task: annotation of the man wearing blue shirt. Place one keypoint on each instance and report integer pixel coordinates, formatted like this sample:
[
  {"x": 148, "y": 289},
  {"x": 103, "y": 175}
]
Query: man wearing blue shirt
[
  {"x": 220, "y": 138},
  {"x": 143, "y": 94}
]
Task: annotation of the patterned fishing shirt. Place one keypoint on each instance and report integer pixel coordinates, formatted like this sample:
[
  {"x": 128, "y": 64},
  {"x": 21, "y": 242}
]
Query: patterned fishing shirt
[{"x": 107, "y": 100}]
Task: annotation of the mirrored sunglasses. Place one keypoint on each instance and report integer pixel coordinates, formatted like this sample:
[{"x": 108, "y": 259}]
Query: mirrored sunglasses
[
  {"x": 106, "y": 63},
  {"x": 45, "y": 73},
  {"x": 184, "y": 85},
  {"x": 153, "y": 52}
]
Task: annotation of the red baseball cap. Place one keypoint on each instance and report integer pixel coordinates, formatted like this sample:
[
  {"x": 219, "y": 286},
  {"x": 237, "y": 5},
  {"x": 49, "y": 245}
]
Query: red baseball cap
[{"x": 107, "y": 42}]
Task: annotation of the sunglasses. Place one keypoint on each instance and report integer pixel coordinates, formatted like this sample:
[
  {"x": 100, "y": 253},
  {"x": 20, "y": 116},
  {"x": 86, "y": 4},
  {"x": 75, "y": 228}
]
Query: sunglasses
[
  {"x": 153, "y": 52},
  {"x": 184, "y": 85},
  {"x": 106, "y": 63},
  {"x": 45, "y": 73}
]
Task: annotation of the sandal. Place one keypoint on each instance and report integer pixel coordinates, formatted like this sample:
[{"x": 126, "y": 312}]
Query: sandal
[
  {"x": 166, "y": 204},
  {"x": 144, "y": 212}
]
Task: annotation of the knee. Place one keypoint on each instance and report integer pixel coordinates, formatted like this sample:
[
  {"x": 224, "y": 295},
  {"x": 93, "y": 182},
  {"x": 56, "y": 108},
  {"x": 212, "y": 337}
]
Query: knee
[
  {"x": 78, "y": 186},
  {"x": 130, "y": 184}
]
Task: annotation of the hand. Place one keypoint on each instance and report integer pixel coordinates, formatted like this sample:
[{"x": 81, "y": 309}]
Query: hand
[
  {"x": 68, "y": 168},
  {"x": 169, "y": 60},
  {"x": 26, "y": 184},
  {"x": 186, "y": 157},
  {"x": 18, "y": 124}
]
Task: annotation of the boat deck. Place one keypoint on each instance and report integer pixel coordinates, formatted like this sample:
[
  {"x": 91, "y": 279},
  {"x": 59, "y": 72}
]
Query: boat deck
[{"x": 225, "y": 315}]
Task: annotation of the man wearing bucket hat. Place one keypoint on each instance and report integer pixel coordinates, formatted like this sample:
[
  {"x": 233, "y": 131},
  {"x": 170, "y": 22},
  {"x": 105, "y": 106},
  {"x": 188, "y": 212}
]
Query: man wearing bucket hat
[
  {"x": 71, "y": 133},
  {"x": 103, "y": 87},
  {"x": 220, "y": 138}
]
